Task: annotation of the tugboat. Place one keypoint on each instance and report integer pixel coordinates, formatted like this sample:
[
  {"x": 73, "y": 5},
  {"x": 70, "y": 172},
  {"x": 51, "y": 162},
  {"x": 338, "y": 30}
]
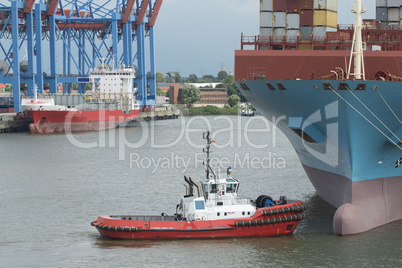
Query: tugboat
[{"x": 215, "y": 211}]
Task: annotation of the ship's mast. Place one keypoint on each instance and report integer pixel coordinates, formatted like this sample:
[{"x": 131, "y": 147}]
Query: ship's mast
[
  {"x": 208, "y": 169},
  {"x": 357, "y": 46}
]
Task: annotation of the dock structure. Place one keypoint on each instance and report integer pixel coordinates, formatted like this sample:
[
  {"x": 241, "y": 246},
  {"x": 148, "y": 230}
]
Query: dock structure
[
  {"x": 14, "y": 122},
  {"x": 84, "y": 32},
  {"x": 163, "y": 113},
  {"x": 10, "y": 122}
]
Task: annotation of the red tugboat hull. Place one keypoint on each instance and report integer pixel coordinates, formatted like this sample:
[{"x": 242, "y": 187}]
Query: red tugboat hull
[
  {"x": 271, "y": 221},
  {"x": 45, "y": 121}
]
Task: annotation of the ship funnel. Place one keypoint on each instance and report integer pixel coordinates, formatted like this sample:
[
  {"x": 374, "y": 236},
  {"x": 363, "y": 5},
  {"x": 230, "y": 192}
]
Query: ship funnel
[
  {"x": 190, "y": 188},
  {"x": 197, "y": 186}
]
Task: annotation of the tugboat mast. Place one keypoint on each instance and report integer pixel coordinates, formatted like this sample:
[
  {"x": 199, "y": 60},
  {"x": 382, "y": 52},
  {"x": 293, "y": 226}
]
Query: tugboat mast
[{"x": 207, "y": 137}]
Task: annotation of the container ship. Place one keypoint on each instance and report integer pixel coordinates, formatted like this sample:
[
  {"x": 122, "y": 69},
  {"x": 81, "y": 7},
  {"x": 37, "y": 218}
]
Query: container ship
[
  {"x": 110, "y": 104},
  {"x": 335, "y": 91}
]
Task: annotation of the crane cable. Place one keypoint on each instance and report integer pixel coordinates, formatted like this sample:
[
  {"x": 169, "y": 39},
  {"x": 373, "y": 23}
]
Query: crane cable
[{"x": 365, "y": 118}]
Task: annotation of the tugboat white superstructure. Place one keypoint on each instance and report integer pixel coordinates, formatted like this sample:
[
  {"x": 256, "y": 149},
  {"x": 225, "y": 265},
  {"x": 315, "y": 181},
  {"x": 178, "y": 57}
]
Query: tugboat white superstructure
[{"x": 213, "y": 210}]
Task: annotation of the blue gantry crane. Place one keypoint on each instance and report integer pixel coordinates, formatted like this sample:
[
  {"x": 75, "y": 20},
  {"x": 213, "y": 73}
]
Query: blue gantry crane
[{"x": 68, "y": 38}]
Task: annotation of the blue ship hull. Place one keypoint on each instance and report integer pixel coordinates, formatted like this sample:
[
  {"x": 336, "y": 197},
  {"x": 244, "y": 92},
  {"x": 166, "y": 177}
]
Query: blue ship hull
[{"x": 347, "y": 135}]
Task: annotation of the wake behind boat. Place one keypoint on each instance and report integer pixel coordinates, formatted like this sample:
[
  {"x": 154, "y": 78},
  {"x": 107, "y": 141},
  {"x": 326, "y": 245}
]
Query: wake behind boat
[{"x": 213, "y": 210}]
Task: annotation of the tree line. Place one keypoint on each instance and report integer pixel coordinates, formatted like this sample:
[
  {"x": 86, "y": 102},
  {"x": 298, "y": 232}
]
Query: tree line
[
  {"x": 175, "y": 77},
  {"x": 192, "y": 94}
]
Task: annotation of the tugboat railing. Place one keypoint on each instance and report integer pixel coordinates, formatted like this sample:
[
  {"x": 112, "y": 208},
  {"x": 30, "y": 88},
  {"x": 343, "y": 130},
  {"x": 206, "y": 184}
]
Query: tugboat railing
[{"x": 227, "y": 201}]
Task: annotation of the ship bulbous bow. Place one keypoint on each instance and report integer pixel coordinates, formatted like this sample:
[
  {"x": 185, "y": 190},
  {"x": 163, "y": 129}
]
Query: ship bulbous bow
[{"x": 374, "y": 204}]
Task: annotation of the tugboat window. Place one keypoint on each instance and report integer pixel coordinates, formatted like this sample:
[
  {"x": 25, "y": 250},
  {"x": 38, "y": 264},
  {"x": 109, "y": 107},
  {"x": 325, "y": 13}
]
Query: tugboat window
[
  {"x": 199, "y": 205},
  {"x": 206, "y": 191},
  {"x": 231, "y": 188},
  {"x": 213, "y": 188}
]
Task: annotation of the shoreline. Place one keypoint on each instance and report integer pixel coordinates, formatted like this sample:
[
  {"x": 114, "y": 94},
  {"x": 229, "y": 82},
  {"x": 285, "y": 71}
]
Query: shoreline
[{"x": 208, "y": 110}]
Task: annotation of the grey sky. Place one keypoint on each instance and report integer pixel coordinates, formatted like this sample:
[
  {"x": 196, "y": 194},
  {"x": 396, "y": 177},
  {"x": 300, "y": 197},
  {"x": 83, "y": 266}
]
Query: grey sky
[{"x": 200, "y": 36}]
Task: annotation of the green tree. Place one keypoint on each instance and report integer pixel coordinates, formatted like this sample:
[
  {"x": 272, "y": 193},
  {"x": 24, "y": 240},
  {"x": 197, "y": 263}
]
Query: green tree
[
  {"x": 74, "y": 86},
  {"x": 160, "y": 92},
  {"x": 233, "y": 100},
  {"x": 208, "y": 78},
  {"x": 8, "y": 87},
  {"x": 222, "y": 75},
  {"x": 232, "y": 88},
  {"x": 191, "y": 94},
  {"x": 192, "y": 78},
  {"x": 220, "y": 86},
  {"x": 178, "y": 78},
  {"x": 88, "y": 86},
  {"x": 160, "y": 77},
  {"x": 207, "y": 86}
]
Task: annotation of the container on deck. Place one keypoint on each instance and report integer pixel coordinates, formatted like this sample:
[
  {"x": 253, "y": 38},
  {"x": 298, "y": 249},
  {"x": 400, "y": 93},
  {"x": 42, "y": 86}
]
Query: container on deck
[
  {"x": 381, "y": 14},
  {"x": 292, "y": 6},
  {"x": 279, "y": 19},
  {"x": 291, "y": 35},
  {"x": 266, "y": 19},
  {"x": 392, "y": 3},
  {"x": 264, "y": 32},
  {"x": 293, "y": 21},
  {"x": 306, "y": 17},
  {"x": 394, "y": 14},
  {"x": 306, "y": 4},
  {"x": 320, "y": 32},
  {"x": 279, "y": 5},
  {"x": 381, "y": 3},
  {"x": 306, "y": 32},
  {"x": 325, "y": 18},
  {"x": 279, "y": 33},
  {"x": 266, "y": 5},
  {"x": 326, "y": 5}
]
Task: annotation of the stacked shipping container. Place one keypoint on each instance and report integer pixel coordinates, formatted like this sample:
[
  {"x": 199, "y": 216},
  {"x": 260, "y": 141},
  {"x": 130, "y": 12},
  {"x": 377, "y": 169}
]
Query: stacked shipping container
[
  {"x": 325, "y": 18},
  {"x": 292, "y": 18},
  {"x": 266, "y": 19},
  {"x": 389, "y": 13}
]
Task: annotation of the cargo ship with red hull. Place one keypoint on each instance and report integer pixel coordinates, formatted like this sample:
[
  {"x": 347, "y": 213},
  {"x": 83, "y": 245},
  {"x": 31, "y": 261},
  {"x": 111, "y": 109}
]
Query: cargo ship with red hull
[
  {"x": 336, "y": 94},
  {"x": 110, "y": 104},
  {"x": 212, "y": 211},
  {"x": 72, "y": 120}
]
